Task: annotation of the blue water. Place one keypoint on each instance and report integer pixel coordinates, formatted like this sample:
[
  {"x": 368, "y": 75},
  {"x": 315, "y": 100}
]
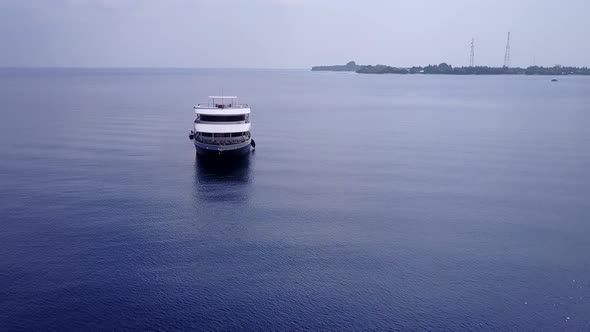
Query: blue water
[{"x": 371, "y": 202}]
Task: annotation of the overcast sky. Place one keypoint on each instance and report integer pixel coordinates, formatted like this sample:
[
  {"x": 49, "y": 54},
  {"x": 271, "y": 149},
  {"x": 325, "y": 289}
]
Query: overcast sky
[{"x": 290, "y": 33}]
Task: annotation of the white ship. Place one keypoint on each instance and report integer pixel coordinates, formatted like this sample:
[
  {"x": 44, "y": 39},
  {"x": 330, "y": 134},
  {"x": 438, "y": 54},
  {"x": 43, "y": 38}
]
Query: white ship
[{"x": 222, "y": 127}]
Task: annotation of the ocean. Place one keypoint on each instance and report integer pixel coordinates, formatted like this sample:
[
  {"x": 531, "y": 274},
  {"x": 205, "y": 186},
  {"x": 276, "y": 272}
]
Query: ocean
[{"x": 371, "y": 202}]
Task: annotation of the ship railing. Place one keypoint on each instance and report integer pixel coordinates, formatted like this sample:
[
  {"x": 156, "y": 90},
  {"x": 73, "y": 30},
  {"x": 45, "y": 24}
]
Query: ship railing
[
  {"x": 221, "y": 106},
  {"x": 222, "y": 141},
  {"x": 222, "y": 122}
]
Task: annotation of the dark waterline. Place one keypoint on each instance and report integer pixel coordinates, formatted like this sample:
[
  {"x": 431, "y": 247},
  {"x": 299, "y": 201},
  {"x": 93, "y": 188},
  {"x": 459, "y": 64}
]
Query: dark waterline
[{"x": 371, "y": 202}]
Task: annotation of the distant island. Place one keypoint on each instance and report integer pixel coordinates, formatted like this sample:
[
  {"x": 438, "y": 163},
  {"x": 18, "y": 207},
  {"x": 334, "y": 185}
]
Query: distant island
[
  {"x": 447, "y": 69},
  {"x": 351, "y": 66}
]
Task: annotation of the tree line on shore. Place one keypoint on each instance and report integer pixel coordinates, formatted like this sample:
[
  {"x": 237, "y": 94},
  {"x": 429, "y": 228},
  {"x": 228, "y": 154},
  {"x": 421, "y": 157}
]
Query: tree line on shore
[{"x": 447, "y": 69}]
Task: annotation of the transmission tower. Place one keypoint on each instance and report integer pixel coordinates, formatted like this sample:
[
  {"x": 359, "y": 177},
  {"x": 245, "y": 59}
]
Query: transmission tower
[
  {"x": 507, "y": 54},
  {"x": 472, "y": 54}
]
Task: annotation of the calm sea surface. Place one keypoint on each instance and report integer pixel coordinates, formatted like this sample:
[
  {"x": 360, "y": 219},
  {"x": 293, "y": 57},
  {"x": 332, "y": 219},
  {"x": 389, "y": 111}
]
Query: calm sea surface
[{"x": 371, "y": 202}]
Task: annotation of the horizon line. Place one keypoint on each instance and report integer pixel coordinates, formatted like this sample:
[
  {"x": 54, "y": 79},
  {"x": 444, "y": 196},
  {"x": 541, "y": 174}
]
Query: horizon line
[
  {"x": 147, "y": 67},
  {"x": 263, "y": 68}
]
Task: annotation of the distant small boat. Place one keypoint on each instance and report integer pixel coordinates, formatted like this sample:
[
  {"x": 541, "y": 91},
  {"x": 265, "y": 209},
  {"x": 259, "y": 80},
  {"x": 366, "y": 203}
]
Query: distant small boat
[{"x": 554, "y": 80}]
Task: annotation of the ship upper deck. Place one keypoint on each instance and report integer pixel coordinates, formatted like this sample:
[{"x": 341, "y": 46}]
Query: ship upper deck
[{"x": 222, "y": 105}]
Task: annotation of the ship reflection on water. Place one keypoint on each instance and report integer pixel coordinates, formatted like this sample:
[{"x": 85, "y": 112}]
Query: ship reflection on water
[{"x": 223, "y": 180}]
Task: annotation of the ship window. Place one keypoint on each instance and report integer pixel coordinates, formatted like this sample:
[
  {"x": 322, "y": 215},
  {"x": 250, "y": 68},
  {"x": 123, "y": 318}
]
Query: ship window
[
  {"x": 222, "y": 118},
  {"x": 237, "y": 134},
  {"x": 207, "y": 134}
]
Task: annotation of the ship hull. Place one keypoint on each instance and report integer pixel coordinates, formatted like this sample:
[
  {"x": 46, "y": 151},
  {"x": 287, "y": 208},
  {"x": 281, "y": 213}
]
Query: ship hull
[{"x": 227, "y": 151}]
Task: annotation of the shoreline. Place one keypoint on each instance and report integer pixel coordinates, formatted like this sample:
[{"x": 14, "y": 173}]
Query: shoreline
[{"x": 446, "y": 69}]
